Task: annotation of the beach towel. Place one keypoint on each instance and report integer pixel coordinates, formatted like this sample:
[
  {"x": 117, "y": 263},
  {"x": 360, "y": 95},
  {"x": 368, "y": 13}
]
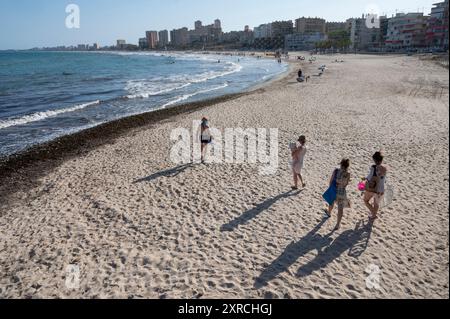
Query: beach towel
[{"x": 330, "y": 195}]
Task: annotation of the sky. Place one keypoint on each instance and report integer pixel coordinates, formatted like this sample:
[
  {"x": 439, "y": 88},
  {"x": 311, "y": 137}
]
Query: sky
[{"x": 26, "y": 24}]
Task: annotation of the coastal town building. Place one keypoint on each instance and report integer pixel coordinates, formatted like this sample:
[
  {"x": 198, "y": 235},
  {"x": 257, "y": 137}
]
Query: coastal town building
[
  {"x": 204, "y": 34},
  {"x": 263, "y": 31},
  {"x": 282, "y": 28},
  {"x": 363, "y": 37},
  {"x": 302, "y": 41},
  {"x": 179, "y": 37},
  {"x": 331, "y": 27},
  {"x": 152, "y": 39},
  {"x": 384, "y": 25},
  {"x": 271, "y": 36},
  {"x": 437, "y": 27},
  {"x": 310, "y": 25},
  {"x": 407, "y": 31},
  {"x": 163, "y": 38},
  {"x": 240, "y": 39},
  {"x": 143, "y": 43},
  {"x": 218, "y": 24},
  {"x": 121, "y": 44}
]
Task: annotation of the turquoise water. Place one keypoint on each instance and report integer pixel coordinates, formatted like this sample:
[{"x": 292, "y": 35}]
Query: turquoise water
[{"x": 44, "y": 95}]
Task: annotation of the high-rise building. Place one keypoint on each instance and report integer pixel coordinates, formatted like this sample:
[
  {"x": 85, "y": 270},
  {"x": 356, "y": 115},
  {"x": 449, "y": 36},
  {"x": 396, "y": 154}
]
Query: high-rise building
[
  {"x": 152, "y": 39},
  {"x": 121, "y": 44},
  {"x": 143, "y": 43},
  {"x": 310, "y": 25},
  {"x": 198, "y": 25},
  {"x": 179, "y": 37},
  {"x": 217, "y": 24},
  {"x": 203, "y": 34},
  {"x": 163, "y": 38},
  {"x": 263, "y": 31},
  {"x": 407, "y": 31}
]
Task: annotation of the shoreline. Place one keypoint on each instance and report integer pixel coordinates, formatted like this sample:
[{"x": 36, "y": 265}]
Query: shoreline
[{"x": 20, "y": 171}]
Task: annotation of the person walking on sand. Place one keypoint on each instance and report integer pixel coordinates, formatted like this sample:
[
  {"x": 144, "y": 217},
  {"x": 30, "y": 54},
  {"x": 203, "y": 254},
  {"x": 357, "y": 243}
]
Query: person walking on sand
[
  {"x": 341, "y": 177},
  {"x": 205, "y": 137},
  {"x": 375, "y": 185},
  {"x": 298, "y": 157}
]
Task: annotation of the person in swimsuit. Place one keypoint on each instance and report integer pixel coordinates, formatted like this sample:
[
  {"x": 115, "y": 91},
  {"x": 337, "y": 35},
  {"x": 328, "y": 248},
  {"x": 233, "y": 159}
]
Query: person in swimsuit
[
  {"x": 205, "y": 137},
  {"x": 377, "y": 177},
  {"x": 298, "y": 157}
]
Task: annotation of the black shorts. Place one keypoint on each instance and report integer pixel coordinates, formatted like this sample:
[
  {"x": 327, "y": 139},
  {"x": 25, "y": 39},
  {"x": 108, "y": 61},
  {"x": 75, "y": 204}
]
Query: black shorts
[{"x": 206, "y": 141}]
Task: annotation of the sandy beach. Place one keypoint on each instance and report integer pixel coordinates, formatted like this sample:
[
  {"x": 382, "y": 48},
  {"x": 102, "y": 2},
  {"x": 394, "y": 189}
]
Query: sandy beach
[{"x": 137, "y": 225}]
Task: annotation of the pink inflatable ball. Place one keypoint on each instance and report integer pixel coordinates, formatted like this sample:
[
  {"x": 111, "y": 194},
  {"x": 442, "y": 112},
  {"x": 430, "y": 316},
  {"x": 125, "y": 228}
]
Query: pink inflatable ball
[{"x": 362, "y": 186}]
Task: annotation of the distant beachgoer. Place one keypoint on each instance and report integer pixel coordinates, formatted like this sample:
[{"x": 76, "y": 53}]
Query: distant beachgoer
[
  {"x": 341, "y": 177},
  {"x": 375, "y": 186},
  {"x": 300, "y": 74},
  {"x": 205, "y": 137},
  {"x": 298, "y": 157}
]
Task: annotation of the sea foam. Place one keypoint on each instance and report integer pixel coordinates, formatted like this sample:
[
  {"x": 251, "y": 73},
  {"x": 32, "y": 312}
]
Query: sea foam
[{"x": 43, "y": 115}]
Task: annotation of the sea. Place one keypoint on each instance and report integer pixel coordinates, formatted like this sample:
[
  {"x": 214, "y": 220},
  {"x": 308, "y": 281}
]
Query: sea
[{"x": 45, "y": 95}]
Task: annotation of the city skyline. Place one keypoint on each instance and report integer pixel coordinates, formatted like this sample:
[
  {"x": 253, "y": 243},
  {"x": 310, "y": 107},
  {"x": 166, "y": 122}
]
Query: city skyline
[{"x": 105, "y": 24}]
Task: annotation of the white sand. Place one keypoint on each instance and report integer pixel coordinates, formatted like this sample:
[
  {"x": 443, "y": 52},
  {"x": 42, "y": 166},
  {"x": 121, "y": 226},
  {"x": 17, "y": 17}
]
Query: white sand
[{"x": 165, "y": 237}]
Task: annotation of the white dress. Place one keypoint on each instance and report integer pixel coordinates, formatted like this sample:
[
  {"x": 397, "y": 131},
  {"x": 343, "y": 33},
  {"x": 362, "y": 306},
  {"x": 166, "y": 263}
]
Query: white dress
[{"x": 298, "y": 164}]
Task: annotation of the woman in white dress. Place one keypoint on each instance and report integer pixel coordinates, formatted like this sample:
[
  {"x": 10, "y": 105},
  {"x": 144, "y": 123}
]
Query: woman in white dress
[{"x": 298, "y": 158}]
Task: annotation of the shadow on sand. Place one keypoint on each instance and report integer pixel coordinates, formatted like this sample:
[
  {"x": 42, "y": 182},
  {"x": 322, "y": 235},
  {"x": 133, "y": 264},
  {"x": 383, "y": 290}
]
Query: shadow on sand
[
  {"x": 355, "y": 241},
  {"x": 254, "y": 212},
  {"x": 173, "y": 172}
]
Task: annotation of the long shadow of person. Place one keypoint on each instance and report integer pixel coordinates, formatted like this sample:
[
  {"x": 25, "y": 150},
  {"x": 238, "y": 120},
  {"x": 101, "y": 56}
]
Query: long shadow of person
[
  {"x": 254, "y": 212},
  {"x": 173, "y": 172},
  {"x": 360, "y": 246},
  {"x": 312, "y": 241},
  {"x": 356, "y": 241}
]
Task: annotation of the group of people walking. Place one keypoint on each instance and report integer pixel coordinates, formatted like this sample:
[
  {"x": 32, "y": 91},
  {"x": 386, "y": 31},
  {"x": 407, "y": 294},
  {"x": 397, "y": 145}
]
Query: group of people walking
[{"x": 374, "y": 183}]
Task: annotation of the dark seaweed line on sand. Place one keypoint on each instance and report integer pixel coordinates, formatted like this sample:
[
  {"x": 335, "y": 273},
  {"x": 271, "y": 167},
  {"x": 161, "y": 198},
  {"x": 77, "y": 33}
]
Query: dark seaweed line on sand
[{"x": 21, "y": 171}]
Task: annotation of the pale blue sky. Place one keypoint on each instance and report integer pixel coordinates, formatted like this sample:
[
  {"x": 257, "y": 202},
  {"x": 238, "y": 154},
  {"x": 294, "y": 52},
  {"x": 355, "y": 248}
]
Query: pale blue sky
[{"x": 35, "y": 23}]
